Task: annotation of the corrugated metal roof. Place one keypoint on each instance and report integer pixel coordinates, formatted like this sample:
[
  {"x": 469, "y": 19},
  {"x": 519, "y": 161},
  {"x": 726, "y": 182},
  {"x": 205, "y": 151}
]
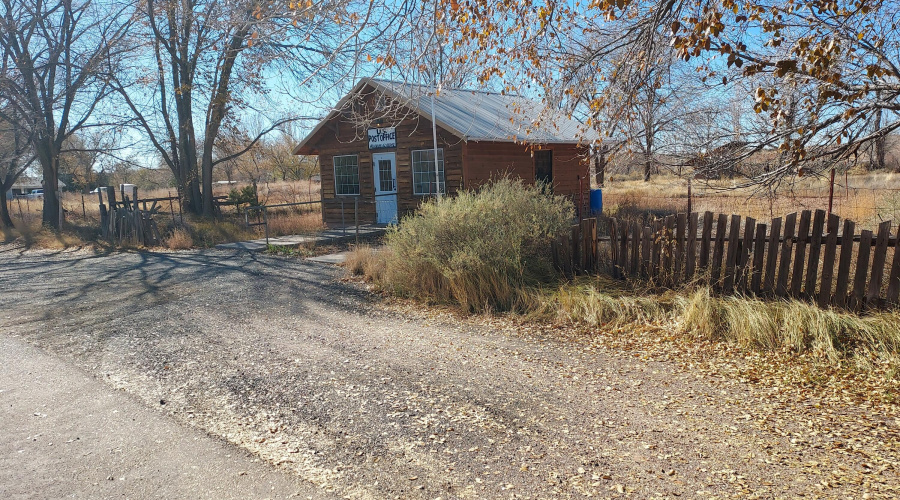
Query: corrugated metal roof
[
  {"x": 487, "y": 116},
  {"x": 476, "y": 115}
]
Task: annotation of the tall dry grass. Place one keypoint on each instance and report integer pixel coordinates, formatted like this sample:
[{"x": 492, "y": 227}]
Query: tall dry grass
[
  {"x": 831, "y": 335},
  {"x": 867, "y": 198},
  {"x": 478, "y": 249}
]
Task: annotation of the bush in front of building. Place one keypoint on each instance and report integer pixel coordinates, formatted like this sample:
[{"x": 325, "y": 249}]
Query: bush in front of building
[{"x": 479, "y": 249}]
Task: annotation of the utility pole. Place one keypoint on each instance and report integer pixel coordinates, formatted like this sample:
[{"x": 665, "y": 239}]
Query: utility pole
[{"x": 435, "y": 90}]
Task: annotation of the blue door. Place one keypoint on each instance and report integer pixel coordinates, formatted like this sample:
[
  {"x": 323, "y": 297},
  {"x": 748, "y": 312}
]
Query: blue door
[{"x": 385, "y": 165}]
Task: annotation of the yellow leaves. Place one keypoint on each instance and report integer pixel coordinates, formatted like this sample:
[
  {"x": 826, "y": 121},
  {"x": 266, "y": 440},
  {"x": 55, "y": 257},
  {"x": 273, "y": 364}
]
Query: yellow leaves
[
  {"x": 873, "y": 70},
  {"x": 785, "y": 66},
  {"x": 387, "y": 60}
]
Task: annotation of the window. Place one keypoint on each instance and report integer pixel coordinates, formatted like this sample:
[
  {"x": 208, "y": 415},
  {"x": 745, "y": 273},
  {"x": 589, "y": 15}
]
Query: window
[
  {"x": 346, "y": 174},
  {"x": 543, "y": 166},
  {"x": 423, "y": 171}
]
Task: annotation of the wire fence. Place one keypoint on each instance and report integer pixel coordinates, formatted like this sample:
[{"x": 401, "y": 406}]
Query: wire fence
[{"x": 865, "y": 199}]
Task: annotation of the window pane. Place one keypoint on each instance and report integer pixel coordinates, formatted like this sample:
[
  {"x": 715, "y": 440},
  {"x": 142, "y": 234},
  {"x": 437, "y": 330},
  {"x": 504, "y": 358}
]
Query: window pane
[
  {"x": 346, "y": 174},
  {"x": 423, "y": 171},
  {"x": 385, "y": 176}
]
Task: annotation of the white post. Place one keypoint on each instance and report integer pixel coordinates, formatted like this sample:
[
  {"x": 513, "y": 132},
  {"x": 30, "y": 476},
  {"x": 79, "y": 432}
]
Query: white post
[
  {"x": 437, "y": 171},
  {"x": 437, "y": 87}
]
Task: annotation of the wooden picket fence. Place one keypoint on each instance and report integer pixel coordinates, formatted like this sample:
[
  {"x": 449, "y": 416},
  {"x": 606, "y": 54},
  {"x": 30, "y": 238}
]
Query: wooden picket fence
[
  {"x": 124, "y": 221},
  {"x": 577, "y": 252},
  {"x": 814, "y": 260}
]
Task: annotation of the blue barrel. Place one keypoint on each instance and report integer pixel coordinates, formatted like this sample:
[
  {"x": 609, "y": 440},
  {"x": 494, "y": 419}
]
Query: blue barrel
[{"x": 596, "y": 201}]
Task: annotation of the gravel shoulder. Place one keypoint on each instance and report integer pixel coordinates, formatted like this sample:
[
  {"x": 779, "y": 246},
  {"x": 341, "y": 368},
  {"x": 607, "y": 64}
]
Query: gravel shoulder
[{"x": 362, "y": 399}]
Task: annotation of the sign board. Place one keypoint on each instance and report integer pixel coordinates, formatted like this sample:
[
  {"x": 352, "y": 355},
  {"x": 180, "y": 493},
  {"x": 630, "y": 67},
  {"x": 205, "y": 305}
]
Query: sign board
[{"x": 380, "y": 138}]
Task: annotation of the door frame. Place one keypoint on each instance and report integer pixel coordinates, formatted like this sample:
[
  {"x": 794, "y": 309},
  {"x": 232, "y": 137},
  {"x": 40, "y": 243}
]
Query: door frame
[
  {"x": 549, "y": 160},
  {"x": 382, "y": 197}
]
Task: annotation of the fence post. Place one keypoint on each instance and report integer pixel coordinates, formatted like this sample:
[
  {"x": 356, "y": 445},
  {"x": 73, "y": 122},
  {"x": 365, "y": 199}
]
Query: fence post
[
  {"x": 843, "y": 275},
  {"x": 690, "y": 207},
  {"x": 858, "y": 294},
  {"x": 878, "y": 261},
  {"x": 894, "y": 279},
  {"x": 356, "y": 217},
  {"x": 718, "y": 250},
  {"x": 614, "y": 246},
  {"x": 266, "y": 220},
  {"x": 830, "y": 193},
  {"x": 784, "y": 264},
  {"x": 59, "y": 204},
  {"x": 731, "y": 256}
]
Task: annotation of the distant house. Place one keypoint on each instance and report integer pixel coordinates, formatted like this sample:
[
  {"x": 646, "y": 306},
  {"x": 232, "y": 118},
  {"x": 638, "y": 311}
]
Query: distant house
[
  {"x": 376, "y": 148},
  {"x": 25, "y": 185}
]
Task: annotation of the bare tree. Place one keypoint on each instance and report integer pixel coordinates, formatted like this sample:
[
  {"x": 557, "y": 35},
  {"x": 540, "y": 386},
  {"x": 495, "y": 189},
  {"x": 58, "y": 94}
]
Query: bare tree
[
  {"x": 211, "y": 62},
  {"x": 15, "y": 158},
  {"x": 55, "y": 61}
]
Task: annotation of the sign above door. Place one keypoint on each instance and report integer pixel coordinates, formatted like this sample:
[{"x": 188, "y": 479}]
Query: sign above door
[{"x": 381, "y": 138}]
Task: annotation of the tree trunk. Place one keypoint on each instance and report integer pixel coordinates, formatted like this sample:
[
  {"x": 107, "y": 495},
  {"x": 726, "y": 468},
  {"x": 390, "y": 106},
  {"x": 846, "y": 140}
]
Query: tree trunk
[
  {"x": 648, "y": 153},
  {"x": 206, "y": 172},
  {"x": 216, "y": 113},
  {"x": 5, "y": 185},
  {"x": 880, "y": 140},
  {"x": 187, "y": 186},
  {"x": 48, "y": 157},
  {"x": 600, "y": 168},
  {"x": 5, "y": 220}
]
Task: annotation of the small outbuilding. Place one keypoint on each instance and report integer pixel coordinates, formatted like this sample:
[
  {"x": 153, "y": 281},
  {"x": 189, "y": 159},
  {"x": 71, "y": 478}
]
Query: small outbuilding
[{"x": 376, "y": 148}]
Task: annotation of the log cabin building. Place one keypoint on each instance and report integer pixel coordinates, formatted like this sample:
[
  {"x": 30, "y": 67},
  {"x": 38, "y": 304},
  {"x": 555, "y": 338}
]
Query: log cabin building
[{"x": 376, "y": 149}]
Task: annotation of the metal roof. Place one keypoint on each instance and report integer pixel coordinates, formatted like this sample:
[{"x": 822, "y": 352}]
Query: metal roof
[{"x": 474, "y": 115}]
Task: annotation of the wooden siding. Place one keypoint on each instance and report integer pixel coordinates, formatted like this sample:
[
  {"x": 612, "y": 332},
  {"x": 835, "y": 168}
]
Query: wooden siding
[
  {"x": 347, "y": 138},
  {"x": 486, "y": 160}
]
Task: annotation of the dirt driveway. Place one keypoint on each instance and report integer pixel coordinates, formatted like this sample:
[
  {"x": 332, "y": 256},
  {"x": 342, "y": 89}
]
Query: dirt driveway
[{"x": 315, "y": 376}]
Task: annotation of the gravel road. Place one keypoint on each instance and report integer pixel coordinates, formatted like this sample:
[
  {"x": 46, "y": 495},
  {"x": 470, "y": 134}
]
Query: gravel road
[{"x": 319, "y": 378}]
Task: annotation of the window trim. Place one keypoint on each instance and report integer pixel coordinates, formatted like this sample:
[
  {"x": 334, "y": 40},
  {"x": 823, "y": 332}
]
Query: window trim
[
  {"x": 412, "y": 169},
  {"x": 358, "y": 180}
]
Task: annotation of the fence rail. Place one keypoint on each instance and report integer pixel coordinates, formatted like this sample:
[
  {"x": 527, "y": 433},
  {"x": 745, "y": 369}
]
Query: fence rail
[{"x": 810, "y": 256}]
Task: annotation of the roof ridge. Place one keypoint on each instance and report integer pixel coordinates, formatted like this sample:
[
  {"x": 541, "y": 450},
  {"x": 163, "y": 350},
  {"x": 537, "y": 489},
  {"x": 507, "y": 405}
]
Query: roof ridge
[{"x": 452, "y": 89}]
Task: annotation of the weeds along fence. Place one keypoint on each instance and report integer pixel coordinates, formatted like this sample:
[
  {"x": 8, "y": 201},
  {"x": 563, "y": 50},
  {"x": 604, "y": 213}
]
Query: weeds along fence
[{"x": 809, "y": 256}]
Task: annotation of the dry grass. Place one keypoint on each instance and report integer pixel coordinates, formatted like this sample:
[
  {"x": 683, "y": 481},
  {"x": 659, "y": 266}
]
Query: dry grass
[
  {"x": 83, "y": 219},
  {"x": 281, "y": 224},
  {"x": 598, "y": 301},
  {"x": 866, "y": 198},
  {"x": 363, "y": 261},
  {"x": 834, "y": 337},
  {"x": 29, "y": 231},
  {"x": 179, "y": 239},
  {"x": 830, "y": 337}
]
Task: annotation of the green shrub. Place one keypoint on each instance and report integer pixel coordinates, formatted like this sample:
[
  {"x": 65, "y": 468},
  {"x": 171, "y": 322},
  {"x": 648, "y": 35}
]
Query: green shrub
[
  {"x": 245, "y": 196},
  {"x": 479, "y": 249}
]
